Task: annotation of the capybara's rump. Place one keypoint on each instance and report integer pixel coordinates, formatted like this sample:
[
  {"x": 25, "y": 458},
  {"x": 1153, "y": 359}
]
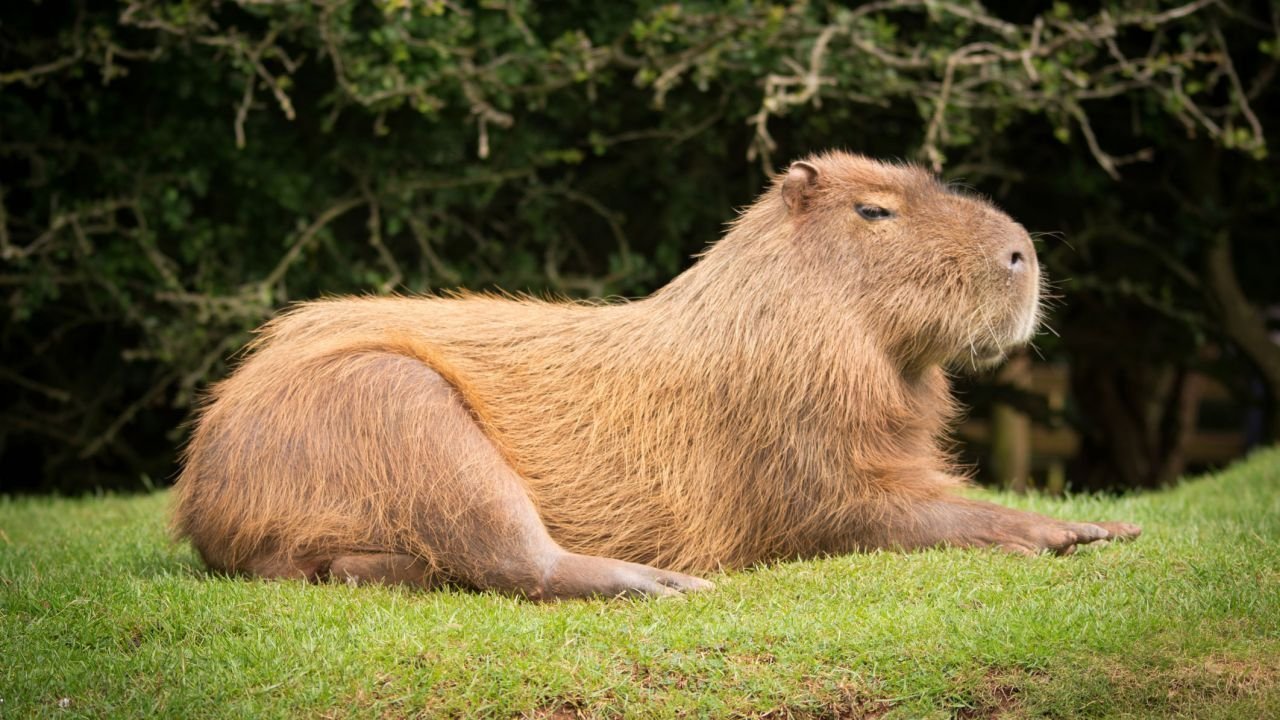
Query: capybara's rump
[{"x": 292, "y": 467}]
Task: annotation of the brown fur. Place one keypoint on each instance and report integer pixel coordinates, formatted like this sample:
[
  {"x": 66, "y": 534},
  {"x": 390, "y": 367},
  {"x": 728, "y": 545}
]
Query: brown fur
[{"x": 784, "y": 397}]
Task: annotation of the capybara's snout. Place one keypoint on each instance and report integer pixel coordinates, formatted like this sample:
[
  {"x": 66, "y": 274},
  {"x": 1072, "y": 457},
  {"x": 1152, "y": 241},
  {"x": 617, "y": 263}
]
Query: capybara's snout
[{"x": 1016, "y": 255}]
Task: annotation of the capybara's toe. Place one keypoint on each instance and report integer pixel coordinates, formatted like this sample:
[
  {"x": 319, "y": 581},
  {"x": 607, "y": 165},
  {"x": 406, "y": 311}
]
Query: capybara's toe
[
  {"x": 1120, "y": 530},
  {"x": 685, "y": 583}
]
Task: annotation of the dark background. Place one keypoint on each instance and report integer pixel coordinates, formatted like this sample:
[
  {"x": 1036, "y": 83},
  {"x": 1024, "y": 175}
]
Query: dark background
[{"x": 172, "y": 173}]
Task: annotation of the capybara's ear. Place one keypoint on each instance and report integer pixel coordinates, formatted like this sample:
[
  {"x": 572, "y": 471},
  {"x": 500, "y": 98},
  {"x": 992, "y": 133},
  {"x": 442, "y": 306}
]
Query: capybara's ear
[{"x": 798, "y": 185}]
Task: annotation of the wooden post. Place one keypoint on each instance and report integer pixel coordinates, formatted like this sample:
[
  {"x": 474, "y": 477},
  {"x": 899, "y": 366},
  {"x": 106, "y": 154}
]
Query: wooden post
[
  {"x": 1055, "y": 482},
  {"x": 1011, "y": 430}
]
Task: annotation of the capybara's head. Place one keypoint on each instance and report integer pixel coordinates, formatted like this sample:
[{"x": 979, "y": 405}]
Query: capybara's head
[{"x": 940, "y": 275}]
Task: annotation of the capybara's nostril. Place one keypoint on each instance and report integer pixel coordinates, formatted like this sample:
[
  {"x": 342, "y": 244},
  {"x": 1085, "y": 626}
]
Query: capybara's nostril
[{"x": 1015, "y": 261}]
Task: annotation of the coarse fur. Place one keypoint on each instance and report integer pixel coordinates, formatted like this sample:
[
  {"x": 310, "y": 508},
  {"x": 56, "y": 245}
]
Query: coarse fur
[{"x": 785, "y": 397}]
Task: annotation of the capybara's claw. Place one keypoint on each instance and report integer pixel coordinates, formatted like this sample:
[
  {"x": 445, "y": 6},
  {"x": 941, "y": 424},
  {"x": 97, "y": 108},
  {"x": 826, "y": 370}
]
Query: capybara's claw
[{"x": 1120, "y": 530}]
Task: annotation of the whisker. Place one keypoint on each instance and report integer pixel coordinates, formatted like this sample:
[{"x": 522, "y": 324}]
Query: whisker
[
  {"x": 991, "y": 331},
  {"x": 1056, "y": 235},
  {"x": 1036, "y": 349}
]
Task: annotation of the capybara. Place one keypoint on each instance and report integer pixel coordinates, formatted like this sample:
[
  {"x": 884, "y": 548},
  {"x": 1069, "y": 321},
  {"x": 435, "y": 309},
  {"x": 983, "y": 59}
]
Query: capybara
[{"x": 785, "y": 397}]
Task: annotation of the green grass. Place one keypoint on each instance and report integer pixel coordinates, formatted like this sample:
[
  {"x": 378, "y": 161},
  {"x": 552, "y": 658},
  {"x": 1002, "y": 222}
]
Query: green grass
[{"x": 101, "y": 615}]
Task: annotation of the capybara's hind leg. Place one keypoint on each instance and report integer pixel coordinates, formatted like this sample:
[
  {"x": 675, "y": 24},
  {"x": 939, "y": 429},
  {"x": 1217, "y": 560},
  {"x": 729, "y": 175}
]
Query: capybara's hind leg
[
  {"x": 385, "y": 569},
  {"x": 467, "y": 506}
]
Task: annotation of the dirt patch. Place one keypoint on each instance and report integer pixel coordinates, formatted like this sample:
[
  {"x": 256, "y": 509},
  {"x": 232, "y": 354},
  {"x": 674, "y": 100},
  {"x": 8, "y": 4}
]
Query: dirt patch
[
  {"x": 1220, "y": 678},
  {"x": 998, "y": 695},
  {"x": 999, "y": 700},
  {"x": 1213, "y": 681},
  {"x": 1243, "y": 677}
]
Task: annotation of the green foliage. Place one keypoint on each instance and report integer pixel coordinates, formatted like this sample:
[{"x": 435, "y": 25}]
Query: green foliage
[
  {"x": 175, "y": 172},
  {"x": 100, "y": 613}
]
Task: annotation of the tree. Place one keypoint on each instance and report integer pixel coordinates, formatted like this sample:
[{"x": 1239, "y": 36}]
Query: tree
[{"x": 175, "y": 172}]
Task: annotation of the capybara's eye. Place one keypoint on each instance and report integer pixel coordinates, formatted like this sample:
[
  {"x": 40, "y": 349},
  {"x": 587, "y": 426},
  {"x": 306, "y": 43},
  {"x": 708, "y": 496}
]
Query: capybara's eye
[{"x": 874, "y": 212}]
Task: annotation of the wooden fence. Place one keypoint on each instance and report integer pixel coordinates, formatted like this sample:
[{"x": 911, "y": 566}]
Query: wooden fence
[{"x": 1019, "y": 448}]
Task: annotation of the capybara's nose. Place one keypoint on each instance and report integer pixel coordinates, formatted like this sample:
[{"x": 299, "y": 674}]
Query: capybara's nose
[
  {"x": 1016, "y": 261},
  {"x": 1018, "y": 255}
]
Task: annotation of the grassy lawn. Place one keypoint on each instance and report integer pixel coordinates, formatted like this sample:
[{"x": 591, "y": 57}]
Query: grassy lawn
[{"x": 101, "y": 615}]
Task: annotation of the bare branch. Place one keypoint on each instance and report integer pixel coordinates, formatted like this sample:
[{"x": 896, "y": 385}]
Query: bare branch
[
  {"x": 1105, "y": 161},
  {"x": 33, "y": 75},
  {"x": 1242, "y": 97},
  {"x": 375, "y": 239},
  {"x": 305, "y": 238},
  {"x": 94, "y": 446}
]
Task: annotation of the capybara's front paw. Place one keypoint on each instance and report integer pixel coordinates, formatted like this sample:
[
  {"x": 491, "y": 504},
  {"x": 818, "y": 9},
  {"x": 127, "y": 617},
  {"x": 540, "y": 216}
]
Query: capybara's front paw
[
  {"x": 1120, "y": 530},
  {"x": 576, "y": 576},
  {"x": 1036, "y": 535}
]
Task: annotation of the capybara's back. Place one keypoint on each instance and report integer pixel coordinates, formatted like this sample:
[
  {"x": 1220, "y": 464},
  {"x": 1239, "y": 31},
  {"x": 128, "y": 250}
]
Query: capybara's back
[{"x": 784, "y": 397}]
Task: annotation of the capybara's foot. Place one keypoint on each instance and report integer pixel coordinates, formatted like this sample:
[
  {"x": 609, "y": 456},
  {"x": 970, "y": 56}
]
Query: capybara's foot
[
  {"x": 576, "y": 576},
  {"x": 1029, "y": 534}
]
